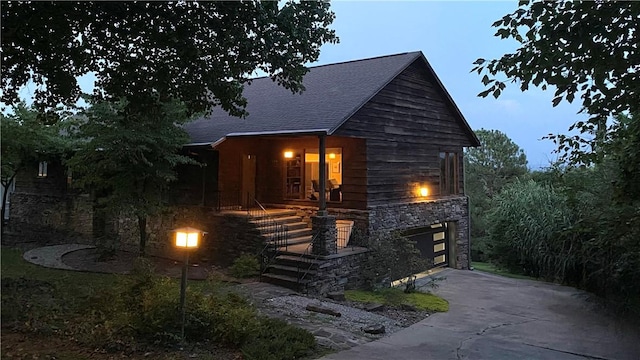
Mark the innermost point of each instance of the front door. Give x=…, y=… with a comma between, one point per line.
x=248, y=179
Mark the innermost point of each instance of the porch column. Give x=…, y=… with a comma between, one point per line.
x=322, y=204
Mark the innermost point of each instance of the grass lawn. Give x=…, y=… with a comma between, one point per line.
x=396, y=297
x=490, y=268
x=49, y=313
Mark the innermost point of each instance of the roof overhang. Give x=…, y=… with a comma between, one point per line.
x=263, y=133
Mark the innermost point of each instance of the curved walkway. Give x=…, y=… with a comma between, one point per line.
x=51, y=256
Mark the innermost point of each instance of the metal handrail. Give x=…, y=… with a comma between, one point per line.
x=306, y=254
x=343, y=237
x=279, y=233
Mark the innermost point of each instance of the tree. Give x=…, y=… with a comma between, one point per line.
x=497, y=161
x=128, y=160
x=25, y=138
x=488, y=168
x=582, y=49
x=200, y=53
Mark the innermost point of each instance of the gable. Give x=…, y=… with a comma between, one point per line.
x=412, y=108
x=333, y=93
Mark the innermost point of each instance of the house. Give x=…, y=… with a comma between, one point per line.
x=385, y=127
x=374, y=144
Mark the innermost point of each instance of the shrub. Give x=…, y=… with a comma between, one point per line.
x=245, y=266
x=277, y=340
x=528, y=231
x=391, y=257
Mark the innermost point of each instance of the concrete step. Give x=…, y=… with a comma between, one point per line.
x=290, y=226
x=295, y=241
x=298, y=261
x=284, y=281
x=293, y=233
x=274, y=214
x=281, y=220
x=292, y=271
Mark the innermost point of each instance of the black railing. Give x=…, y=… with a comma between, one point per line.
x=228, y=200
x=275, y=234
x=308, y=259
x=343, y=236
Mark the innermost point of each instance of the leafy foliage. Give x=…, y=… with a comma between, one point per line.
x=129, y=158
x=582, y=49
x=245, y=265
x=138, y=312
x=26, y=137
x=200, y=53
x=488, y=169
x=391, y=257
x=528, y=222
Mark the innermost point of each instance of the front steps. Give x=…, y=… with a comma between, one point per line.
x=293, y=271
x=298, y=231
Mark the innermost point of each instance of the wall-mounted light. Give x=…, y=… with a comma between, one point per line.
x=288, y=154
x=424, y=192
x=332, y=156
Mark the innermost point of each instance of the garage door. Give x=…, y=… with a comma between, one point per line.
x=432, y=241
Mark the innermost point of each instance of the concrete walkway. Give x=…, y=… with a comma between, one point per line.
x=51, y=256
x=493, y=317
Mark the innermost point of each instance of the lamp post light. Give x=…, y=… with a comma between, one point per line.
x=188, y=239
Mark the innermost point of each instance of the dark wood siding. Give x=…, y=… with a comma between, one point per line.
x=406, y=125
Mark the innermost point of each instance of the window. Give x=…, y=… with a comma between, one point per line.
x=448, y=173
x=333, y=171
x=42, y=169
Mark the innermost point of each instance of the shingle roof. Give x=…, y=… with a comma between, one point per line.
x=333, y=93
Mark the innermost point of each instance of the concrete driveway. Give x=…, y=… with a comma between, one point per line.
x=493, y=317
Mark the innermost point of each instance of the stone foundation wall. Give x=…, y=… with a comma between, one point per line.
x=49, y=219
x=227, y=236
x=392, y=217
x=339, y=273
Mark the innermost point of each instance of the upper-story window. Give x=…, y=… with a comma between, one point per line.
x=449, y=173
x=42, y=169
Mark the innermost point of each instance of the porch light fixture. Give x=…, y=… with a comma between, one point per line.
x=288, y=154
x=332, y=156
x=187, y=239
x=424, y=192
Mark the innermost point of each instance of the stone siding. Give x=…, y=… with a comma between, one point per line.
x=50, y=219
x=338, y=273
x=393, y=217
x=228, y=236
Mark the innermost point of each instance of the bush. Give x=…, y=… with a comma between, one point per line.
x=145, y=308
x=277, y=340
x=528, y=231
x=245, y=266
x=391, y=257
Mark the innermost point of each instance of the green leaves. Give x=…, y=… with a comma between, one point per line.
x=198, y=53
x=571, y=45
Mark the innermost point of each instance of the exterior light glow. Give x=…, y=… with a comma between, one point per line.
x=424, y=191
x=187, y=238
x=332, y=156
x=288, y=154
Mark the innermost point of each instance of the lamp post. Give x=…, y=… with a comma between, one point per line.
x=186, y=238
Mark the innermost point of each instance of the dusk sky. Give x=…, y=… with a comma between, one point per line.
x=452, y=35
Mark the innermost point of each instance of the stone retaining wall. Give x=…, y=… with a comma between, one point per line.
x=48, y=219
x=338, y=273
x=454, y=210
x=227, y=236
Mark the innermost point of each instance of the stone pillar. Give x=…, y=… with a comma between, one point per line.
x=325, y=235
